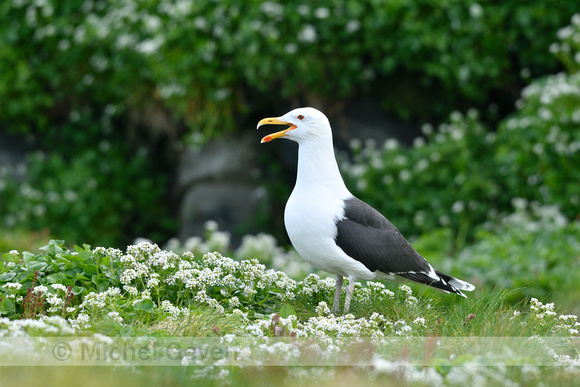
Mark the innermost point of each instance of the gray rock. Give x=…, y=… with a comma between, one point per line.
x=13, y=149
x=219, y=182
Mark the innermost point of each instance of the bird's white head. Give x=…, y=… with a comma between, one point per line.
x=305, y=124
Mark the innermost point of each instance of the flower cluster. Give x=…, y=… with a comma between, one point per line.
x=536, y=240
x=263, y=247
x=214, y=280
x=544, y=314
x=568, y=47
x=47, y=326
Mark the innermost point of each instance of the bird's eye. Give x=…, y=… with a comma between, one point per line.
x=300, y=117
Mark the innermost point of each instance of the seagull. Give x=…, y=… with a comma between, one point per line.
x=335, y=231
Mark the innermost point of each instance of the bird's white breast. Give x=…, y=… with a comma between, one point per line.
x=310, y=219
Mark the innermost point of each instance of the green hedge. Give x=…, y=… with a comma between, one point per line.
x=466, y=174
x=203, y=60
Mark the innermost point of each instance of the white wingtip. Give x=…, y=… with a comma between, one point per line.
x=461, y=285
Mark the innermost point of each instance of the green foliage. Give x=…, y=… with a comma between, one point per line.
x=569, y=46
x=539, y=146
x=200, y=59
x=387, y=328
x=466, y=174
x=101, y=191
x=80, y=76
x=447, y=182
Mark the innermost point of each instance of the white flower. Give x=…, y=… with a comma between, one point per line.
x=405, y=175
x=40, y=289
x=352, y=26
x=234, y=302
x=427, y=129
x=303, y=9
x=458, y=206
x=475, y=10
x=131, y=290
x=420, y=321
x=200, y=23
x=419, y=142
x=82, y=321
x=115, y=317
x=322, y=309
x=272, y=9
x=152, y=282
x=290, y=48
x=59, y=287
x=321, y=13
x=308, y=34
x=12, y=285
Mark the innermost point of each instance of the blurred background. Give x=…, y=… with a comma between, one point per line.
x=458, y=120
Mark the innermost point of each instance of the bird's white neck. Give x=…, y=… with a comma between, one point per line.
x=318, y=169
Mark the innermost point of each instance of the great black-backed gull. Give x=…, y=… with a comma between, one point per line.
x=336, y=232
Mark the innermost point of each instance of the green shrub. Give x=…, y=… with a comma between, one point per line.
x=539, y=147
x=201, y=60
x=72, y=73
x=101, y=191
x=447, y=182
x=466, y=174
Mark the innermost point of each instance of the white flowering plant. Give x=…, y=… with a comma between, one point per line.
x=145, y=291
x=462, y=173
x=60, y=185
x=447, y=182
x=195, y=66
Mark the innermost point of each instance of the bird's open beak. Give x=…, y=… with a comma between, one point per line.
x=275, y=121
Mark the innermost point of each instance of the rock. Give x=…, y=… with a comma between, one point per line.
x=13, y=149
x=219, y=182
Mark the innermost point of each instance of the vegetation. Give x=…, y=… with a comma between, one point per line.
x=490, y=198
x=463, y=174
x=149, y=293
x=109, y=91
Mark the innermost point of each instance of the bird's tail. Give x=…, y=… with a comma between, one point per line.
x=446, y=282
x=457, y=284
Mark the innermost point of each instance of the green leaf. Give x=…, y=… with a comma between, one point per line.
x=145, y=305
x=27, y=257
x=79, y=276
x=56, y=278
x=76, y=290
x=287, y=310
x=6, y=306
x=36, y=266
x=53, y=247
x=5, y=277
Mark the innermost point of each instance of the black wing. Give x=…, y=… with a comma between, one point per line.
x=367, y=236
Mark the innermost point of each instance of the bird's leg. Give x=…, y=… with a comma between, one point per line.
x=336, y=304
x=349, y=293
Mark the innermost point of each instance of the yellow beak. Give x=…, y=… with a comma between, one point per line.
x=275, y=121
